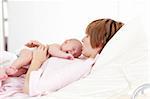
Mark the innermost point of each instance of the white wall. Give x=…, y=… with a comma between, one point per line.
x=56, y=20
x=42, y=20
x=1, y=29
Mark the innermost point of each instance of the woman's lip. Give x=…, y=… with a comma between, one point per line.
x=82, y=47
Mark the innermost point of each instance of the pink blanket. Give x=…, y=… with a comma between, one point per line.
x=12, y=88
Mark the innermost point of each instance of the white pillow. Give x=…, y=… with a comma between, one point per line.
x=128, y=44
x=128, y=49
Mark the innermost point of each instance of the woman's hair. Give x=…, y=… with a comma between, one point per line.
x=101, y=31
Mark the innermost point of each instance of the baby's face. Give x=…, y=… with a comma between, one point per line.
x=72, y=47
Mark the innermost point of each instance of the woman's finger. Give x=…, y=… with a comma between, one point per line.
x=46, y=48
x=43, y=47
x=48, y=55
x=40, y=47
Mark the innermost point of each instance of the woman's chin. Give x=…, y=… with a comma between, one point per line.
x=83, y=53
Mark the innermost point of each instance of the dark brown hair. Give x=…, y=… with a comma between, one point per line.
x=101, y=31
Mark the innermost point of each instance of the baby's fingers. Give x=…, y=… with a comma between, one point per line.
x=28, y=44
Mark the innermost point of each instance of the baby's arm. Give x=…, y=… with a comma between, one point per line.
x=55, y=50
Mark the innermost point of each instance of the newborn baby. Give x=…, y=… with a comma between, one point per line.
x=70, y=49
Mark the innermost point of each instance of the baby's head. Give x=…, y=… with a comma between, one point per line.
x=72, y=46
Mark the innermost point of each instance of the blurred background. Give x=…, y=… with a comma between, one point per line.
x=52, y=21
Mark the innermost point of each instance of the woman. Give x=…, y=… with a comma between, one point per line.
x=98, y=33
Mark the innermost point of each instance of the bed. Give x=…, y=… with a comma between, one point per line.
x=122, y=67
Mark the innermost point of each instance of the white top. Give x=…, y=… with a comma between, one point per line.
x=56, y=73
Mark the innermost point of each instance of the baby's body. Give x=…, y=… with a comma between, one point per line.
x=70, y=49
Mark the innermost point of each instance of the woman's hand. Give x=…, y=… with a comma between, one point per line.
x=40, y=54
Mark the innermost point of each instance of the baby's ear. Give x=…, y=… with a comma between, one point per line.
x=74, y=49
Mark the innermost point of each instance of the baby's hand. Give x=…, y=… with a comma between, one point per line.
x=69, y=56
x=33, y=43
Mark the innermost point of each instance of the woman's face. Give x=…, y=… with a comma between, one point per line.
x=87, y=49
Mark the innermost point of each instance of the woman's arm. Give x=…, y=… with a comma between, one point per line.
x=39, y=56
